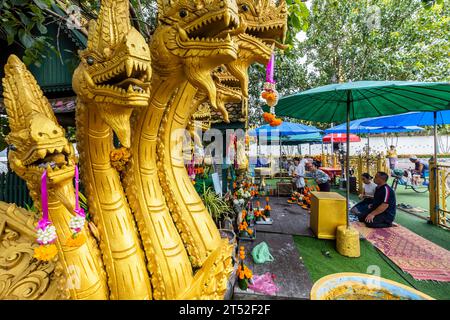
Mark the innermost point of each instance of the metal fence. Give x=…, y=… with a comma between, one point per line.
x=439, y=194
x=14, y=190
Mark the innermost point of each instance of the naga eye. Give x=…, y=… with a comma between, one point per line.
x=244, y=7
x=183, y=13
x=90, y=61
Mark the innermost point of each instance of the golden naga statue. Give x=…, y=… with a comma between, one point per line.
x=185, y=48
x=38, y=144
x=145, y=95
x=112, y=80
x=263, y=26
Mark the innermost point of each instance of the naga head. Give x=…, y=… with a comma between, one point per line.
x=115, y=69
x=193, y=38
x=36, y=140
x=228, y=90
x=264, y=25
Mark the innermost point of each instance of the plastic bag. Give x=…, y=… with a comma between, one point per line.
x=264, y=284
x=261, y=253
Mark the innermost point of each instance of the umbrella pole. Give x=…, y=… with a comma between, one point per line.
x=435, y=171
x=347, y=167
x=435, y=137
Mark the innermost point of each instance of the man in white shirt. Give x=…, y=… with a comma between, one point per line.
x=366, y=196
x=299, y=174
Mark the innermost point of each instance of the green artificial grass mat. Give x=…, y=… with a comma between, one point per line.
x=319, y=265
x=433, y=233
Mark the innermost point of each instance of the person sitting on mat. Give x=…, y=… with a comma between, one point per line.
x=366, y=196
x=381, y=212
x=322, y=179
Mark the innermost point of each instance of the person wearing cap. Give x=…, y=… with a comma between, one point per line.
x=366, y=196
x=421, y=166
x=393, y=158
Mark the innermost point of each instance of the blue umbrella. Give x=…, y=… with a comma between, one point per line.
x=297, y=138
x=415, y=118
x=285, y=129
x=360, y=126
x=409, y=119
x=357, y=127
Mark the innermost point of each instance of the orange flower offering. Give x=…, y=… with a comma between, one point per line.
x=45, y=253
x=119, y=158
x=243, y=226
x=242, y=253
x=268, y=208
x=243, y=272
x=276, y=122
x=268, y=117
x=76, y=241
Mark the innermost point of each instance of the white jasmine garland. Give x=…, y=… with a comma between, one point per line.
x=46, y=236
x=77, y=223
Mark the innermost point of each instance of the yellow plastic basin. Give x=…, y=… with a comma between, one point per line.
x=359, y=286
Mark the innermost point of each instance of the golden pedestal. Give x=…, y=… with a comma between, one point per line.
x=327, y=213
x=347, y=241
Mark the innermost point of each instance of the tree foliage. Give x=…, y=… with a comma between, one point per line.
x=377, y=40
x=351, y=40
x=23, y=23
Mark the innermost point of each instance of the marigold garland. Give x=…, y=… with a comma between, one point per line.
x=45, y=252
x=271, y=119
x=119, y=158
x=76, y=240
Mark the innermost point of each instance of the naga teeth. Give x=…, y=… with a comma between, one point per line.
x=41, y=154
x=226, y=18
x=130, y=89
x=183, y=34
x=129, y=67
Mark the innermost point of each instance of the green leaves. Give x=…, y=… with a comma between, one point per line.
x=216, y=205
x=22, y=22
x=297, y=20
x=42, y=4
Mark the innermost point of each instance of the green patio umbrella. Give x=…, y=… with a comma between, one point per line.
x=362, y=99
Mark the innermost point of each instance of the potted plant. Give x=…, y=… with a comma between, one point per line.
x=216, y=205
x=267, y=208
x=244, y=274
x=245, y=232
